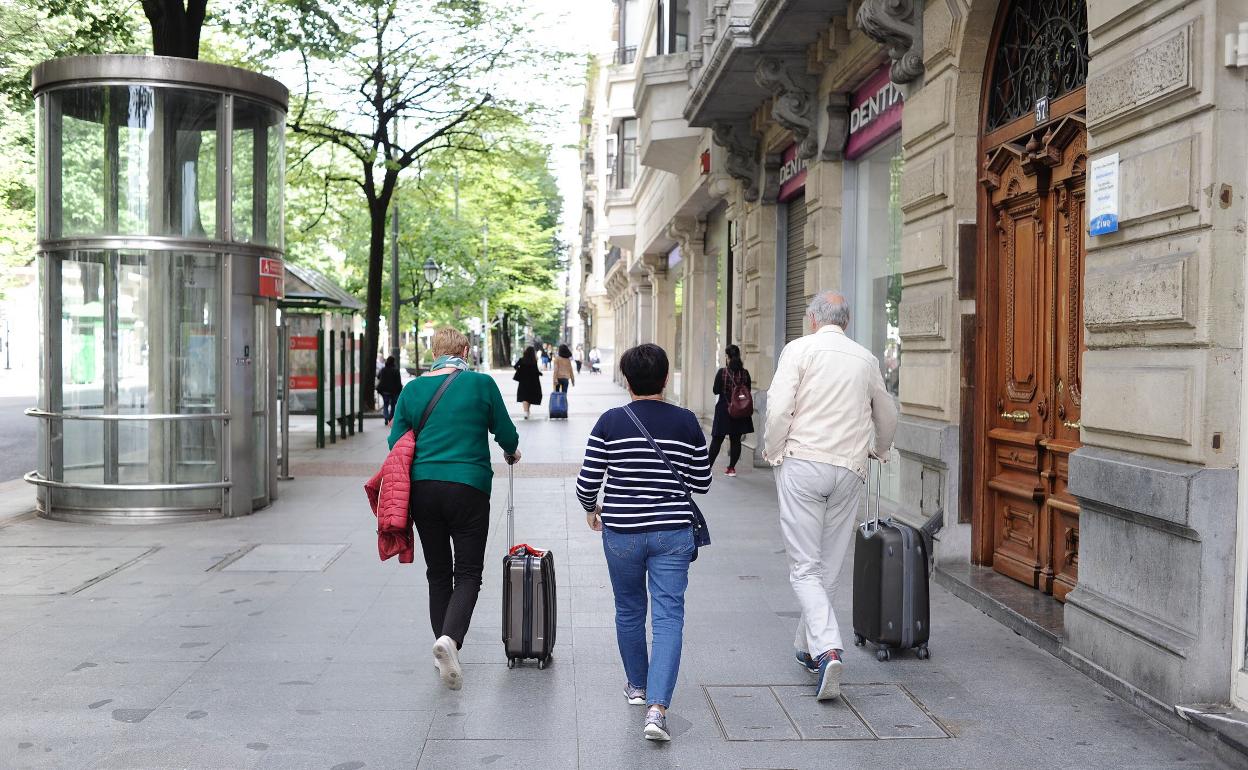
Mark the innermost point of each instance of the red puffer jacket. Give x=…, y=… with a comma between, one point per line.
x=389, y=493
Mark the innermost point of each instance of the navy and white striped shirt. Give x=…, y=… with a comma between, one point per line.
x=640, y=493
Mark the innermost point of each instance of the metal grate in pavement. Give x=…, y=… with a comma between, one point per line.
x=37, y=570
x=864, y=712
x=287, y=557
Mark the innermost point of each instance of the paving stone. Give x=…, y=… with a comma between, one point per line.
x=890, y=712
x=820, y=721
x=751, y=714
x=54, y=570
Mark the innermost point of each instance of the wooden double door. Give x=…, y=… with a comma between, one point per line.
x=1034, y=210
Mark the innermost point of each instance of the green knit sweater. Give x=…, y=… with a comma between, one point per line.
x=454, y=445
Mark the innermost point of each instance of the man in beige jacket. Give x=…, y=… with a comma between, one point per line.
x=827, y=411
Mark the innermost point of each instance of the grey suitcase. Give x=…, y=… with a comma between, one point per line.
x=891, y=607
x=529, y=602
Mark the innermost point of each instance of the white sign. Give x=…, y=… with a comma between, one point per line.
x=1103, y=198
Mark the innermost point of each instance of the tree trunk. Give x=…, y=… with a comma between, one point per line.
x=372, y=310
x=175, y=28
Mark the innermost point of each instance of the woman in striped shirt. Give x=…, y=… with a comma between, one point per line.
x=646, y=524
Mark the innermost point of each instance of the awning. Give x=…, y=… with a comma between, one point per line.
x=306, y=288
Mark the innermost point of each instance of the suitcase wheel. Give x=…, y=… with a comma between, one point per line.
x=511, y=663
x=541, y=664
x=882, y=654
x=859, y=640
x=923, y=653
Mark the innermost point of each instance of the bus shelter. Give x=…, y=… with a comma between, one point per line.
x=160, y=249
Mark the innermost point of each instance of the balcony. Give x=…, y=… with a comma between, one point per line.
x=625, y=55
x=723, y=85
x=621, y=218
x=667, y=141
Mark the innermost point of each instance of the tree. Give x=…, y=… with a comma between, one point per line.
x=399, y=81
x=176, y=26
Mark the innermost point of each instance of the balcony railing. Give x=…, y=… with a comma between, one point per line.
x=626, y=54
x=613, y=256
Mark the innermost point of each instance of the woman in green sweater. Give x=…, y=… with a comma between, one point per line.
x=451, y=476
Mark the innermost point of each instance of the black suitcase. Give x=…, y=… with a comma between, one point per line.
x=529, y=606
x=890, y=584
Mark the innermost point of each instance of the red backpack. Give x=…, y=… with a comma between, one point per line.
x=740, y=400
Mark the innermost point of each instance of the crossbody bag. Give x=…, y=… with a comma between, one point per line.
x=701, y=535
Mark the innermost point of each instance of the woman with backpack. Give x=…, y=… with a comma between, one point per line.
x=734, y=410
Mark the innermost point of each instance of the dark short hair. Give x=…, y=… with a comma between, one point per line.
x=565, y=351
x=390, y=361
x=645, y=368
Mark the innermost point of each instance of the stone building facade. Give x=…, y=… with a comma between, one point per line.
x=1070, y=402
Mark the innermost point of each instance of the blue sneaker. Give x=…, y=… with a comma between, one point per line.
x=808, y=663
x=830, y=667
x=656, y=726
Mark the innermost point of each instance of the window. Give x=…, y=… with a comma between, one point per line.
x=672, y=26
x=623, y=163
x=629, y=19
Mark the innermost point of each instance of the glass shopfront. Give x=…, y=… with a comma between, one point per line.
x=160, y=193
x=872, y=276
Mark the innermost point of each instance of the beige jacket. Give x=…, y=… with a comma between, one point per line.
x=826, y=401
x=563, y=368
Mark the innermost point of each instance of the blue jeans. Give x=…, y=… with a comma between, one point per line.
x=664, y=558
x=561, y=385
x=388, y=400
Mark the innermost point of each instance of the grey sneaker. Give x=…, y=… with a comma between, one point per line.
x=830, y=667
x=636, y=695
x=806, y=662
x=446, y=658
x=656, y=726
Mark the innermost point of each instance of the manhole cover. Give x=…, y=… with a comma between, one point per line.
x=291, y=557
x=791, y=713
x=37, y=570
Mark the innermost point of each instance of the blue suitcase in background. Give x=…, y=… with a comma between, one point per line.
x=558, y=405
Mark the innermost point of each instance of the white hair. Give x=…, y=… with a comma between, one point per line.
x=829, y=307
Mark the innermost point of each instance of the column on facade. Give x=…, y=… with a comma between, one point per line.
x=659, y=326
x=699, y=316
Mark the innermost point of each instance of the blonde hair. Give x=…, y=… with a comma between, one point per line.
x=449, y=342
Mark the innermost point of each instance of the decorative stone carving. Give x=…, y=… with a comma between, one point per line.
x=1159, y=71
x=688, y=232
x=922, y=320
x=1135, y=294
x=794, y=107
x=742, y=150
x=838, y=127
x=897, y=24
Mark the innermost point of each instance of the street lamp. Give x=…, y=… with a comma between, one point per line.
x=424, y=289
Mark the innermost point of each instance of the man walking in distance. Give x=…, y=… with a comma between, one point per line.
x=826, y=401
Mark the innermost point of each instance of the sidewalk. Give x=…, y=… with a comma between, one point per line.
x=280, y=641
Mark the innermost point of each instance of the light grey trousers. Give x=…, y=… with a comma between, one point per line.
x=818, y=504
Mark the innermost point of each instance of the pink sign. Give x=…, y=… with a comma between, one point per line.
x=874, y=113
x=792, y=174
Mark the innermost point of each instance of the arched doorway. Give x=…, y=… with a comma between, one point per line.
x=1033, y=145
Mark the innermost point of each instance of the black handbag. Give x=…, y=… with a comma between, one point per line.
x=701, y=534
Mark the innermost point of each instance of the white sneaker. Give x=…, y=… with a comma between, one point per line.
x=446, y=658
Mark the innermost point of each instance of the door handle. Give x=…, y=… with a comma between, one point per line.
x=1076, y=425
x=1018, y=415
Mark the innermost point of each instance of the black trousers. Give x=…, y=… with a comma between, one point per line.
x=446, y=513
x=734, y=448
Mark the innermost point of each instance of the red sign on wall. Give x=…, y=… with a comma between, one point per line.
x=792, y=174
x=302, y=343
x=303, y=382
x=271, y=272
x=874, y=113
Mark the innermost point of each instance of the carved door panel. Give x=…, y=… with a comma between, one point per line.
x=1036, y=195
x=1068, y=202
x=1015, y=492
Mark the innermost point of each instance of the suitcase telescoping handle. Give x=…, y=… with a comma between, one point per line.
x=511, y=507
x=873, y=491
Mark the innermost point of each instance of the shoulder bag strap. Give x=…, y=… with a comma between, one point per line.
x=437, y=396
x=699, y=521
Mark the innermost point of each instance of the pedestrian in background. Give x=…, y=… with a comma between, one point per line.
x=728, y=380
x=595, y=358
x=826, y=401
x=580, y=357
x=646, y=522
x=529, y=377
x=545, y=356
x=389, y=385
x=451, y=480
x=563, y=372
